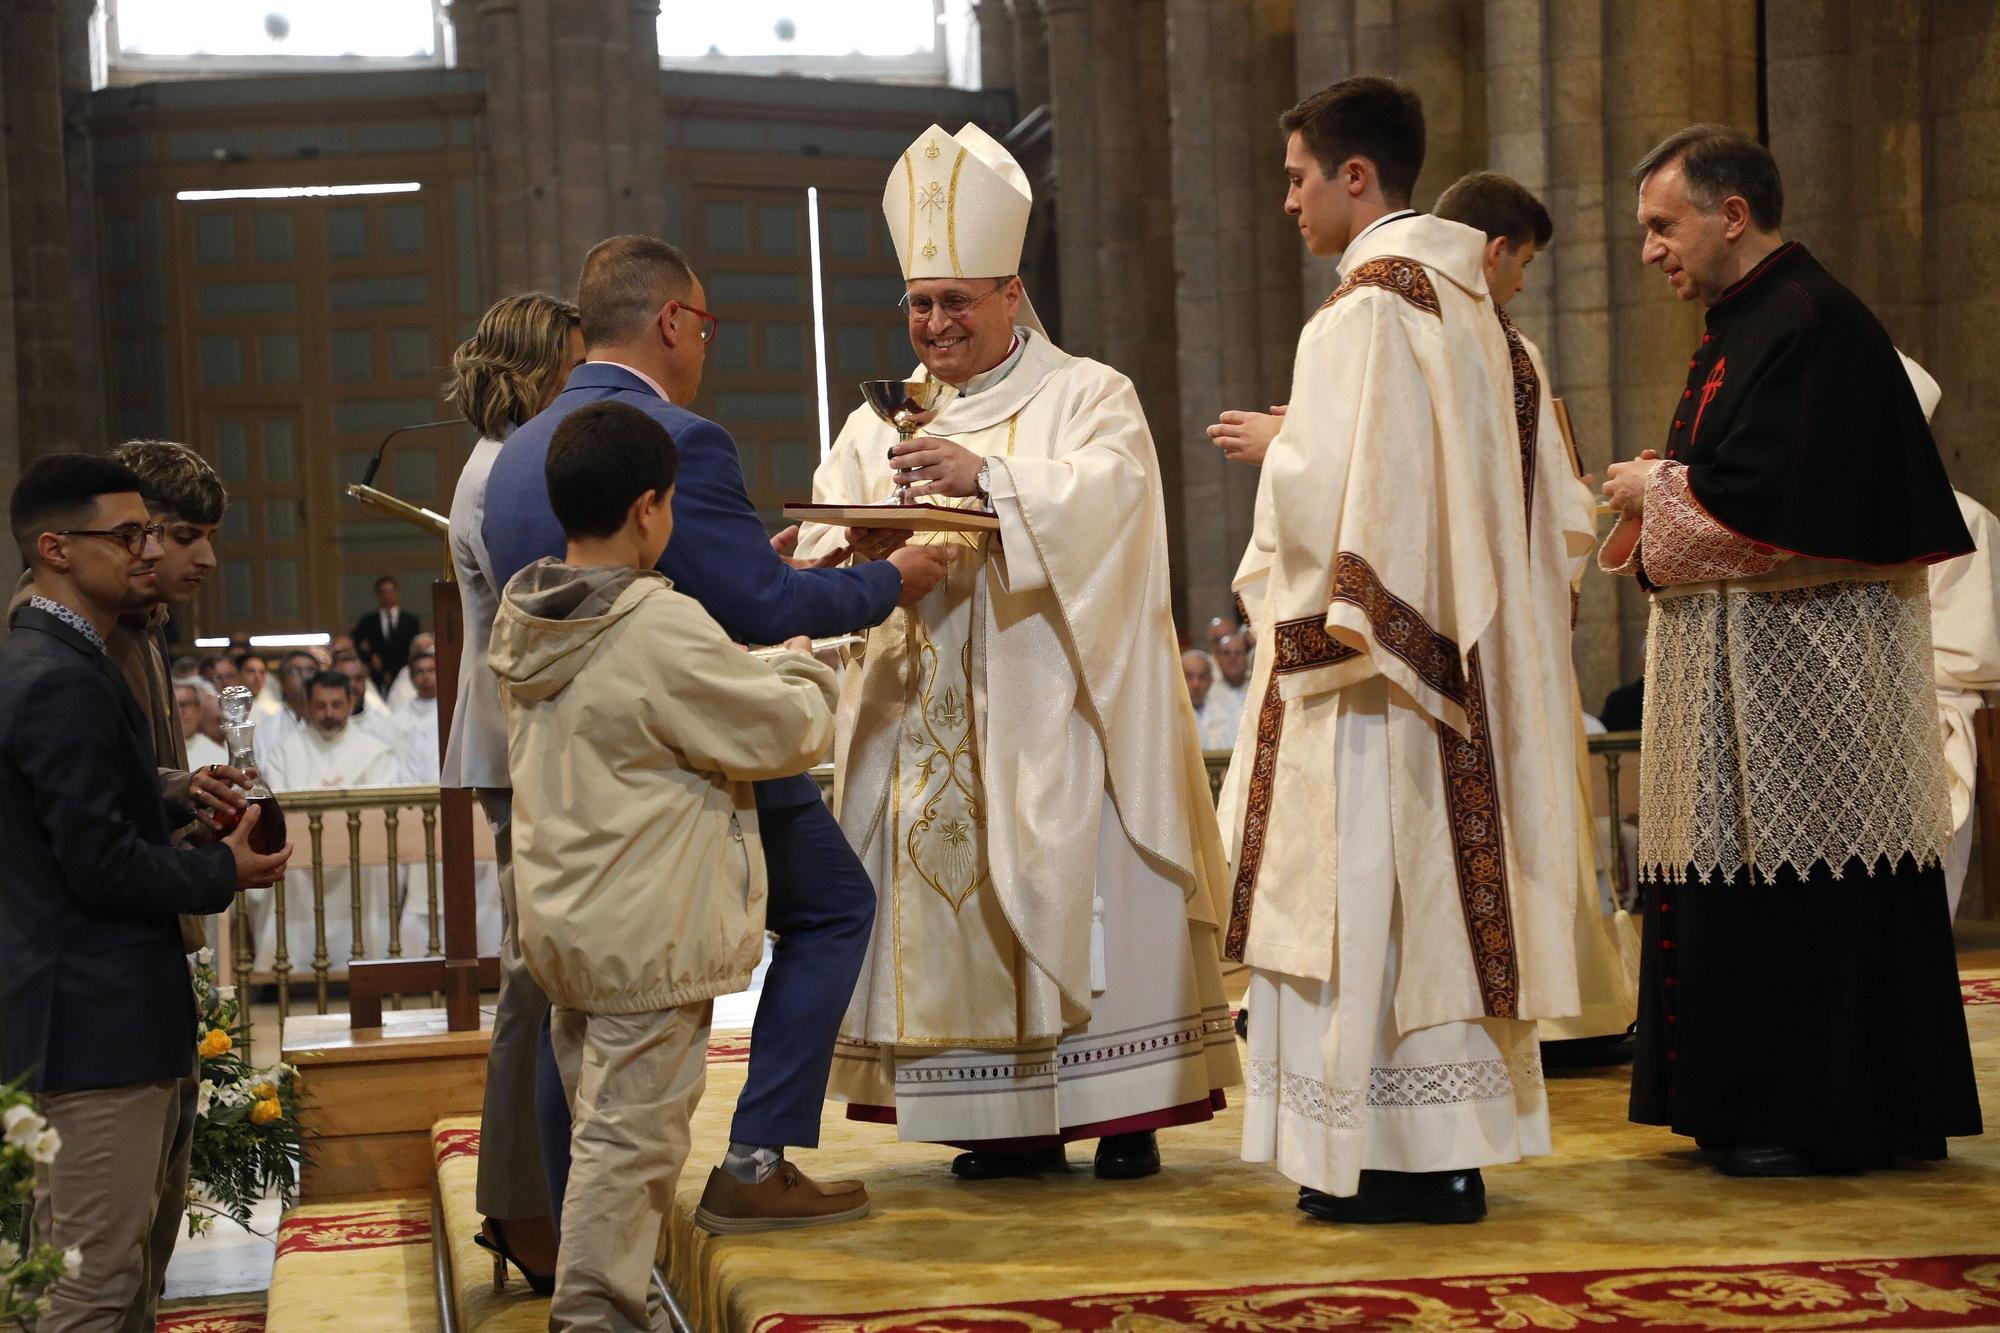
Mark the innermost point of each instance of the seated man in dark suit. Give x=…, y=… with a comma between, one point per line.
x=96, y=1005
x=644, y=336
x=382, y=637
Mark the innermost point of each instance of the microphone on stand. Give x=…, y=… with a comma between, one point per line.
x=375, y=463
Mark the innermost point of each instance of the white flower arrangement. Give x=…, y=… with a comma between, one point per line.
x=27, y=1270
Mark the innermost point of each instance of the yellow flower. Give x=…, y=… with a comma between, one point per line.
x=265, y=1111
x=215, y=1042
x=263, y=1091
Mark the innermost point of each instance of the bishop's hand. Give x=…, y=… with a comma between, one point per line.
x=932, y=465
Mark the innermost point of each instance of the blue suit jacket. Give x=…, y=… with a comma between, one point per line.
x=719, y=553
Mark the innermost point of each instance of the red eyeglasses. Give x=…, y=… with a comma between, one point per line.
x=709, y=323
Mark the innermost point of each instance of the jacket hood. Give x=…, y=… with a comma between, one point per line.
x=552, y=616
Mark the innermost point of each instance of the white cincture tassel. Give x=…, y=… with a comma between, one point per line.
x=1097, y=979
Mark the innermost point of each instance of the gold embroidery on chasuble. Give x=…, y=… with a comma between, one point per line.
x=1405, y=277
x=956, y=957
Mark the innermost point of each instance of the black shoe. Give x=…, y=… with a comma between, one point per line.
x=1403, y=1196
x=1128, y=1156
x=1769, y=1161
x=542, y=1284
x=1008, y=1165
x=1243, y=1022
x=1589, y=1052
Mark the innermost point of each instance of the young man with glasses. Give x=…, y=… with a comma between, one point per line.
x=96, y=1009
x=1022, y=773
x=645, y=343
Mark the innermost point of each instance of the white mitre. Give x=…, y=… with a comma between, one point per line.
x=1928, y=392
x=957, y=207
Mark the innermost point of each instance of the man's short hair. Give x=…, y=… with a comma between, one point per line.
x=327, y=680
x=285, y=662
x=1497, y=205
x=1365, y=116
x=603, y=457
x=1718, y=161
x=59, y=491
x=175, y=480
x=420, y=656
x=389, y=579
x=625, y=281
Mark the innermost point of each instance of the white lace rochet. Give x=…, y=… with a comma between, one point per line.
x=1784, y=728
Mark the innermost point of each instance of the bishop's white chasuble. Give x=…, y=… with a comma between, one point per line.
x=1017, y=766
x=1405, y=789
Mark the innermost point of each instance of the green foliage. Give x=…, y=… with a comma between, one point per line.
x=247, y=1140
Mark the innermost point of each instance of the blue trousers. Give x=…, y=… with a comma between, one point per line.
x=822, y=905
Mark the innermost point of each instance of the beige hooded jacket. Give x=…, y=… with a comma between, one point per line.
x=634, y=730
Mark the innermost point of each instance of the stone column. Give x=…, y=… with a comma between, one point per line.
x=1073, y=70
x=1237, y=259
x=996, y=44
x=1962, y=109
x=1031, y=55
x=52, y=225
x=575, y=133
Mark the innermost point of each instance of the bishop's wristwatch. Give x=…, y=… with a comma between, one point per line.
x=979, y=483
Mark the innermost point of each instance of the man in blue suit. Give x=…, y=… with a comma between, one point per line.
x=645, y=337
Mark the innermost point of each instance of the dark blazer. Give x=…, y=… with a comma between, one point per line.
x=94, y=989
x=392, y=648
x=719, y=553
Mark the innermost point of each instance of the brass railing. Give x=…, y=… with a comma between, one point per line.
x=306, y=815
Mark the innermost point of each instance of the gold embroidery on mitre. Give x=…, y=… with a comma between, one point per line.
x=951, y=216
x=930, y=199
x=931, y=150
x=910, y=186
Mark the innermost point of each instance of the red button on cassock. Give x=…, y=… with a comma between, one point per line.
x=1686, y=394
x=1677, y=423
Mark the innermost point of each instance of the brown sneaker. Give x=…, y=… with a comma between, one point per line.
x=784, y=1200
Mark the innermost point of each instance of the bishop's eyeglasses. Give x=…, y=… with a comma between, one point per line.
x=956, y=305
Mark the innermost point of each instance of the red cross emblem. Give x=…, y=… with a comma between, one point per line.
x=1709, y=388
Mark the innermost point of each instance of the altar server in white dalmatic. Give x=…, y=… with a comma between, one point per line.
x=1965, y=652
x=1404, y=886
x=1564, y=508
x=1017, y=758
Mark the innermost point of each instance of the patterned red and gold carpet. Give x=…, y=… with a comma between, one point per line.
x=1625, y=1228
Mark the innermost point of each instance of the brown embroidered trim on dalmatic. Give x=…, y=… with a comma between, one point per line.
x=1256, y=819
x=1472, y=813
x=1305, y=644
x=1527, y=410
x=1405, y=277
x=1400, y=627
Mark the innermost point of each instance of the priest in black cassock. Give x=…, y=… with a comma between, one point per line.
x=1799, y=1002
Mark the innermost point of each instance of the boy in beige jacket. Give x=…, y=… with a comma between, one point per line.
x=634, y=730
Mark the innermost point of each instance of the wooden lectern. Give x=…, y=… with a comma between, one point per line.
x=461, y=973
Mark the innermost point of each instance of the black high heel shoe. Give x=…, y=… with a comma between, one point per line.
x=542, y=1284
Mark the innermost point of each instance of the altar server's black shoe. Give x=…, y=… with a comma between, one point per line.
x=1769, y=1161
x=1128, y=1156
x=1403, y=1196
x=1589, y=1052
x=1008, y=1165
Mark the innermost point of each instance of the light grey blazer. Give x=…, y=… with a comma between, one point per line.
x=477, y=753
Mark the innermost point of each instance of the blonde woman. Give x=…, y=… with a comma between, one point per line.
x=512, y=367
